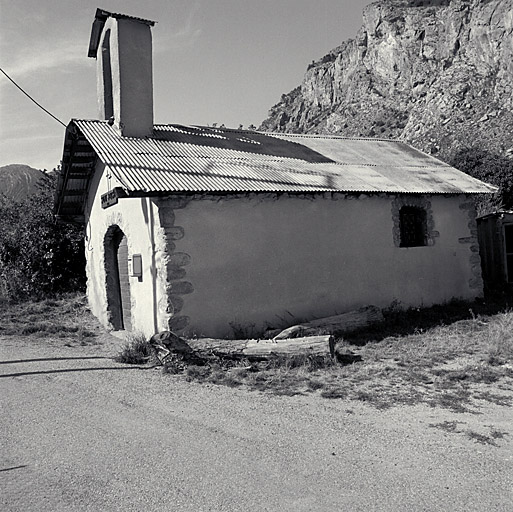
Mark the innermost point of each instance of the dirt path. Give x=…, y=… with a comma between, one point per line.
x=80, y=432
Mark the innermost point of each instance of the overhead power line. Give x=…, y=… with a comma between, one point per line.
x=31, y=98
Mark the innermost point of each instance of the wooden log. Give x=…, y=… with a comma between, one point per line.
x=342, y=323
x=263, y=349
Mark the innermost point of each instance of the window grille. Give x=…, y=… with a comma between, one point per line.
x=413, y=226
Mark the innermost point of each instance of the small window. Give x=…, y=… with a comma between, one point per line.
x=413, y=226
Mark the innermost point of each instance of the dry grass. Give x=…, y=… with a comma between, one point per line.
x=137, y=350
x=490, y=437
x=451, y=366
x=65, y=319
x=430, y=356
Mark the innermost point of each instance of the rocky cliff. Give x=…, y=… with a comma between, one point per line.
x=18, y=181
x=436, y=73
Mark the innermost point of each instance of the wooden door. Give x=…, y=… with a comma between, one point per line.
x=124, y=284
x=508, y=243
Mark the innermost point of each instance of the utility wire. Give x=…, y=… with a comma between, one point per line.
x=31, y=98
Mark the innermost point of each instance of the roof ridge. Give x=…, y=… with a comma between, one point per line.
x=260, y=132
x=282, y=134
x=330, y=136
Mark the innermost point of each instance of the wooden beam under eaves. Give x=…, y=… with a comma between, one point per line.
x=74, y=219
x=80, y=165
x=74, y=193
x=77, y=159
x=79, y=175
x=84, y=154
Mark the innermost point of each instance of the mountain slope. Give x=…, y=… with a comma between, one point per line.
x=435, y=73
x=18, y=181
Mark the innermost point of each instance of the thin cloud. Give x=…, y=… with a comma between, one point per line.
x=186, y=36
x=36, y=136
x=37, y=59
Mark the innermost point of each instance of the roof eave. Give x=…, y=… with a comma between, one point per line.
x=96, y=31
x=119, y=152
x=100, y=18
x=78, y=165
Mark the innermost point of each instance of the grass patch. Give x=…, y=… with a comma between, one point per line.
x=137, y=350
x=452, y=427
x=447, y=426
x=48, y=327
x=497, y=434
x=451, y=365
x=495, y=398
x=480, y=438
x=453, y=356
x=65, y=318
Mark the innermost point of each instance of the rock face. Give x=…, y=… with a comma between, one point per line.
x=18, y=181
x=435, y=73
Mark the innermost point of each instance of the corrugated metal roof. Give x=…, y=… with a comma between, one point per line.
x=368, y=151
x=203, y=159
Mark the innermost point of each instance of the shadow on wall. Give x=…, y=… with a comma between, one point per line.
x=149, y=219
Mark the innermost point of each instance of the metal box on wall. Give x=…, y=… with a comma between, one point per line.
x=137, y=265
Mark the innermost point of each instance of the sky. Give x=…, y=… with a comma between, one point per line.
x=214, y=61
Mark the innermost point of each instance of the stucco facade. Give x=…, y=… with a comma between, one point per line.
x=138, y=219
x=215, y=264
x=272, y=260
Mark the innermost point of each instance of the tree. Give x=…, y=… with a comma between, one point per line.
x=38, y=257
x=491, y=168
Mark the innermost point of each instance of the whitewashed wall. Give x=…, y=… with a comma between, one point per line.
x=269, y=260
x=138, y=219
x=272, y=260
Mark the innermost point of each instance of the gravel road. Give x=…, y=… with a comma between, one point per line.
x=83, y=433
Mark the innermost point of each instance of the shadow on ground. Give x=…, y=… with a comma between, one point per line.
x=399, y=322
x=15, y=361
x=70, y=370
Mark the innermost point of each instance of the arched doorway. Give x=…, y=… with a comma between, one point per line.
x=117, y=279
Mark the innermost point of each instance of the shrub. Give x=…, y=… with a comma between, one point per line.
x=490, y=168
x=38, y=257
x=136, y=351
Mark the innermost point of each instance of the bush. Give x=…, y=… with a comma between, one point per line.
x=490, y=168
x=136, y=351
x=38, y=257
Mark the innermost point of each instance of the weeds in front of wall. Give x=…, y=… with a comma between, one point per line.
x=436, y=356
x=243, y=331
x=449, y=366
x=403, y=322
x=136, y=350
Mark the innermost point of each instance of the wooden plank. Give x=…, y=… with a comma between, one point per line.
x=80, y=165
